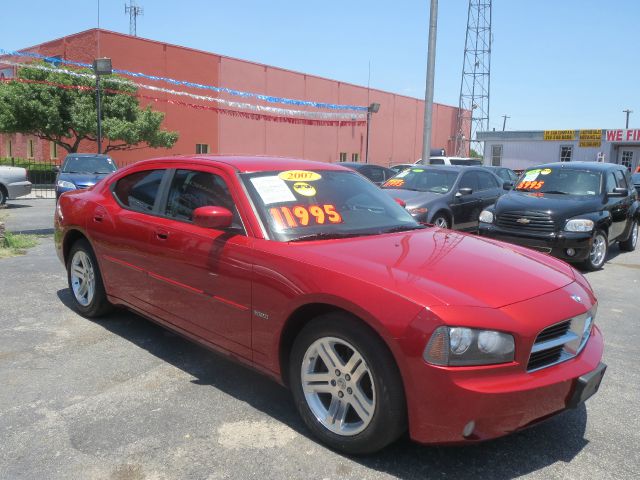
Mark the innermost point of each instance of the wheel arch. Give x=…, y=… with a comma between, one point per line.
x=71, y=237
x=445, y=213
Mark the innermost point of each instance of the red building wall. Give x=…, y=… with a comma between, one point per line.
x=396, y=130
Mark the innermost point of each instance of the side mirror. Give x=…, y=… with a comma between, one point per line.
x=464, y=191
x=618, y=192
x=212, y=217
x=507, y=185
x=55, y=169
x=400, y=202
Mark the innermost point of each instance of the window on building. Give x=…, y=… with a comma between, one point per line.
x=627, y=159
x=355, y=157
x=202, y=148
x=53, y=150
x=30, y=148
x=565, y=153
x=343, y=156
x=496, y=155
x=8, y=148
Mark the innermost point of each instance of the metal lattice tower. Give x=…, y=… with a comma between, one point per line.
x=134, y=11
x=473, y=113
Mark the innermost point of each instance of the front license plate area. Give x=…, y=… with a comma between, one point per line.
x=586, y=386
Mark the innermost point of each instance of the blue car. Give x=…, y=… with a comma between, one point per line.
x=83, y=170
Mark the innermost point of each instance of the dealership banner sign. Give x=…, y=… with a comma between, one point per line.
x=556, y=135
x=623, y=135
x=590, y=138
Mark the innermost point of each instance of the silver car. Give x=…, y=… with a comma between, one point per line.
x=13, y=183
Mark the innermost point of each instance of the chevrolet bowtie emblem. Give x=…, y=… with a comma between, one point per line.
x=524, y=221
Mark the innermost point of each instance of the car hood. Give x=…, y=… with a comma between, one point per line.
x=440, y=267
x=558, y=206
x=82, y=179
x=412, y=198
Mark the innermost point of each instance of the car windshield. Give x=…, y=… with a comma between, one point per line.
x=423, y=180
x=297, y=205
x=88, y=165
x=566, y=181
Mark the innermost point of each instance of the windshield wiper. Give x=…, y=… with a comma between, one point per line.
x=556, y=191
x=403, y=228
x=328, y=236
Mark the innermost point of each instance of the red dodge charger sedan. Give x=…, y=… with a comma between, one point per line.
x=311, y=274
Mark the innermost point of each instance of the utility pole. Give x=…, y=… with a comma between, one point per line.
x=504, y=123
x=428, y=94
x=627, y=111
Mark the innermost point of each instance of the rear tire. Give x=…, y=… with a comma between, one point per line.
x=598, y=253
x=3, y=195
x=85, y=281
x=346, y=385
x=441, y=220
x=629, y=245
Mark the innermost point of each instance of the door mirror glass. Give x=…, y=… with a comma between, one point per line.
x=507, y=185
x=618, y=192
x=212, y=217
x=464, y=191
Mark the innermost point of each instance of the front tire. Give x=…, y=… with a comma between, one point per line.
x=598, y=253
x=441, y=221
x=85, y=281
x=3, y=196
x=629, y=245
x=346, y=385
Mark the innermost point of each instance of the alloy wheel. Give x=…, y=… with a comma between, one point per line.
x=338, y=386
x=83, y=280
x=598, y=250
x=441, y=222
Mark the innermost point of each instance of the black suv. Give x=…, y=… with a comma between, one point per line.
x=573, y=211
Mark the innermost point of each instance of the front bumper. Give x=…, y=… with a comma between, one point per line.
x=18, y=189
x=501, y=404
x=555, y=244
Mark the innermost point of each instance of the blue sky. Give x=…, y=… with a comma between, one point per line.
x=555, y=64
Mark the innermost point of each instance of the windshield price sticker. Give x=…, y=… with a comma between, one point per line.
x=394, y=182
x=304, y=215
x=546, y=171
x=527, y=185
x=304, y=189
x=272, y=190
x=531, y=175
x=299, y=176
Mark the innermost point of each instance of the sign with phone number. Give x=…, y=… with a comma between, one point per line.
x=304, y=215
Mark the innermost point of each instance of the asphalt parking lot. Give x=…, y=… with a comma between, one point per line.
x=121, y=398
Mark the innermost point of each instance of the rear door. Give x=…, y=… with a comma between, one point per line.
x=201, y=278
x=617, y=206
x=121, y=229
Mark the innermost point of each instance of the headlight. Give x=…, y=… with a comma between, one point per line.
x=65, y=184
x=579, y=225
x=417, y=211
x=486, y=216
x=459, y=346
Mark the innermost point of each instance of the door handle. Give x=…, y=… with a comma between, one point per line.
x=162, y=235
x=98, y=218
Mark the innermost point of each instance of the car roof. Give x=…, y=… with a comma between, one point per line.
x=92, y=155
x=358, y=164
x=247, y=163
x=595, y=166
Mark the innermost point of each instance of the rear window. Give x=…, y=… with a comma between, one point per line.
x=139, y=190
x=465, y=161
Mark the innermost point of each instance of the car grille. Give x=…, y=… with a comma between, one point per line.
x=561, y=342
x=529, y=221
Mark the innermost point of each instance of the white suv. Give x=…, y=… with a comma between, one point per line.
x=451, y=161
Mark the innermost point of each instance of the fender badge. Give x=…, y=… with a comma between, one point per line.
x=576, y=298
x=257, y=313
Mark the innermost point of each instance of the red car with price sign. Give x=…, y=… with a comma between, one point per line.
x=309, y=273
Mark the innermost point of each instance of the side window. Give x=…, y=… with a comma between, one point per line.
x=486, y=181
x=139, y=190
x=621, y=181
x=469, y=180
x=611, y=182
x=374, y=174
x=191, y=189
x=436, y=161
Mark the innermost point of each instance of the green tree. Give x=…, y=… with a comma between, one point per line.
x=474, y=154
x=67, y=116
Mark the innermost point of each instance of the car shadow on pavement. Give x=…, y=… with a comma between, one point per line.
x=559, y=439
x=12, y=206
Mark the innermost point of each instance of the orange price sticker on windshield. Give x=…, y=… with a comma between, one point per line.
x=527, y=185
x=304, y=215
x=394, y=182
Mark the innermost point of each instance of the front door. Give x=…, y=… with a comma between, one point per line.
x=466, y=208
x=200, y=277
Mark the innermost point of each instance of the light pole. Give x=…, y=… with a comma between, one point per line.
x=627, y=111
x=428, y=94
x=504, y=123
x=101, y=66
x=373, y=108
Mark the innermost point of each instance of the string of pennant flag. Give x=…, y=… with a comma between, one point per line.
x=184, y=83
